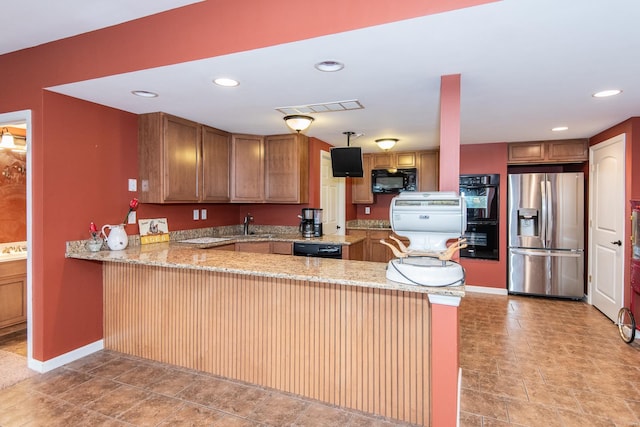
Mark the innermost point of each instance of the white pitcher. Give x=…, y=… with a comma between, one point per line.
x=117, y=238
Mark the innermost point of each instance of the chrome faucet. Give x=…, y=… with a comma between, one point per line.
x=247, y=219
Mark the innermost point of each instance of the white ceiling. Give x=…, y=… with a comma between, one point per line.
x=526, y=66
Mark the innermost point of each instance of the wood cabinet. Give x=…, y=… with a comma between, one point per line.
x=271, y=169
x=247, y=168
x=286, y=168
x=179, y=160
x=216, y=156
x=428, y=170
x=281, y=248
x=426, y=162
x=373, y=250
x=361, y=187
x=560, y=151
x=392, y=159
x=13, y=292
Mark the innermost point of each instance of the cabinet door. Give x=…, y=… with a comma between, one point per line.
x=383, y=160
x=569, y=150
x=361, y=187
x=526, y=152
x=377, y=251
x=406, y=160
x=13, y=300
x=216, y=153
x=181, y=142
x=256, y=247
x=282, y=248
x=428, y=170
x=365, y=243
x=247, y=168
x=286, y=168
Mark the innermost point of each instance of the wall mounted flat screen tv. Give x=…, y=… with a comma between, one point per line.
x=346, y=161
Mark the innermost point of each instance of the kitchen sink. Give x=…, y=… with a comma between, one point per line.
x=205, y=240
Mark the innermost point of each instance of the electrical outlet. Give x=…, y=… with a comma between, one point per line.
x=196, y=214
x=133, y=184
x=367, y=210
x=131, y=219
x=203, y=214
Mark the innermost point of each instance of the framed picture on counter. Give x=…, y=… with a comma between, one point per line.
x=153, y=230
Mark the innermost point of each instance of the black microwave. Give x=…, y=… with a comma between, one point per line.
x=393, y=181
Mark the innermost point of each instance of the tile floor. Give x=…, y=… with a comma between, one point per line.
x=541, y=362
x=526, y=362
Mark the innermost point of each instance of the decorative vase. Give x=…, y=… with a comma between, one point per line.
x=117, y=238
x=94, y=244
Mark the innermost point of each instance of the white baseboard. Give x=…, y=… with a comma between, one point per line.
x=63, y=359
x=485, y=290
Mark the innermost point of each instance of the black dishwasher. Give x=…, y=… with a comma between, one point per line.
x=320, y=250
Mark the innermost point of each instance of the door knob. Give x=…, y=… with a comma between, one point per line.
x=617, y=242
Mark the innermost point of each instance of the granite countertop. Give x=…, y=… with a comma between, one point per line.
x=222, y=240
x=325, y=270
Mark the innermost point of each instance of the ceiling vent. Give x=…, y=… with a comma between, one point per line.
x=325, y=107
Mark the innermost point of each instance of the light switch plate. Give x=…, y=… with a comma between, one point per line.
x=133, y=184
x=196, y=214
x=203, y=214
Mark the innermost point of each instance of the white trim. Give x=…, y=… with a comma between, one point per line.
x=445, y=300
x=63, y=359
x=486, y=290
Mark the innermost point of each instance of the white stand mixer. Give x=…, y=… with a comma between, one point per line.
x=429, y=220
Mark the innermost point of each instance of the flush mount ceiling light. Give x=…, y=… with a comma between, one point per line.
x=606, y=93
x=226, y=82
x=329, y=66
x=386, y=143
x=298, y=122
x=559, y=128
x=144, y=93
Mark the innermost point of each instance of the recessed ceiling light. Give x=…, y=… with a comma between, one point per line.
x=605, y=93
x=226, y=82
x=144, y=93
x=329, y=66
x=559, y=128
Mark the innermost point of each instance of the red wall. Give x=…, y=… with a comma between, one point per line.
x=83, y=154
x=485, y=159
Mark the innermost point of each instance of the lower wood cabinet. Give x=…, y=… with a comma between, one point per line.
x=13, y=292
x=373, y=249
x=282, y=248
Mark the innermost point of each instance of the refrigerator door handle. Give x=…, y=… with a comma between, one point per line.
x=548, y=219
x=543, y=216
x=529, y=252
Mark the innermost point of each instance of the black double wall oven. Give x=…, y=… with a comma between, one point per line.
x=481, y=193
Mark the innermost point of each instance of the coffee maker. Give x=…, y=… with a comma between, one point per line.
x=306, y=222
x=311, y=222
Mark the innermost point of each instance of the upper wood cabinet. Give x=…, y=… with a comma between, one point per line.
x=427, y=163
x=560, y=151
x=179, y=160
x=286, y=168
x=216, y=155
x=428, y=170
x=361, y=187
x=247, y=168
x=392, y=159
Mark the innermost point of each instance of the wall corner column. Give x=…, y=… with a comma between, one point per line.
x=449, y=132
x=445, y=360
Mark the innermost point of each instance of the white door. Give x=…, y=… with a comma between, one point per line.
x=606, y=225
x=331, y=198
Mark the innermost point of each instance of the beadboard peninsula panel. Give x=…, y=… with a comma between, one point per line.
x=360, y=348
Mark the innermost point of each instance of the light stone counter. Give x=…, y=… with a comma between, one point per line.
x=317, y=270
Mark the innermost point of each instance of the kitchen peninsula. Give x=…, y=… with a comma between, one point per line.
x=333, y=330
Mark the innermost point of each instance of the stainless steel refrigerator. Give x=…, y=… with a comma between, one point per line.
x=546, y=234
